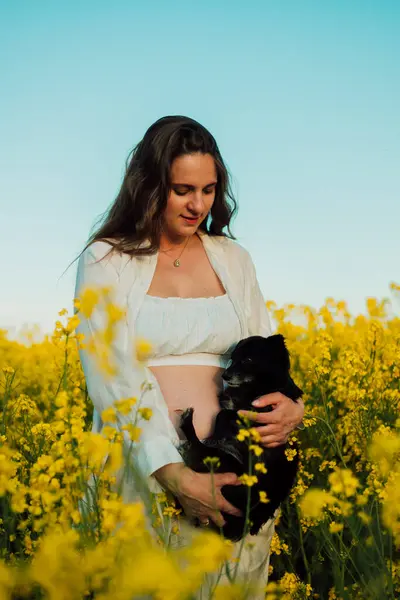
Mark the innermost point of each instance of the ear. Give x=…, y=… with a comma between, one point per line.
x=239, y=344
x=278, y=351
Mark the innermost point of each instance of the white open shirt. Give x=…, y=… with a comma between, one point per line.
x=131, y=278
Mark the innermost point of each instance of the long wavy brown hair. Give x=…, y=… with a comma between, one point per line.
x=136, y=215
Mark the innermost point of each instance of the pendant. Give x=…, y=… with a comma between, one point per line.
x=177, y=263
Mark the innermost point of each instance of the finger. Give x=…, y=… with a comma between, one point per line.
x=217, y=518
x=221, y=479
x=272, y=417
x=268, y=399
x=267, y=430
x=269, y=418
x=271, y=438
x=252, y=415
x=264, y=419
x=227, y=507
x=273, y=445
x=271, y=441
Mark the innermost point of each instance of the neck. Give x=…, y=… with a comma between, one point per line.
x=170, y=242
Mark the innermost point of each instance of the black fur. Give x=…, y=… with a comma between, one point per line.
x=259, y=366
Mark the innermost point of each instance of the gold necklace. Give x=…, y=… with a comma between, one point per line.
x=176, y=262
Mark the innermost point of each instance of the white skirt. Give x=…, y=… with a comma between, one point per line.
x=254, y=558
x=253, y=565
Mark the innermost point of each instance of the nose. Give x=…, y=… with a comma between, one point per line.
x=197, y=205
x=227, y=374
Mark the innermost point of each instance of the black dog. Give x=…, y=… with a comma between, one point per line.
x=259, y=366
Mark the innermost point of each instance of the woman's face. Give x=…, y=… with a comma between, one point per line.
x=193, y=185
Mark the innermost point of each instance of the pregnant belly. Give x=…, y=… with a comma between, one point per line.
x=195, y=386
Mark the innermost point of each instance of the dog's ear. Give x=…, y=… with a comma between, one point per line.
x=236, y=351
x=248, y=340
x=240, y=343
x=278, y=352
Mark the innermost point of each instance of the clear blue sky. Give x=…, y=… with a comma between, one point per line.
x=302, y=96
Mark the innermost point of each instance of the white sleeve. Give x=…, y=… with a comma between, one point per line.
x=259, y=322
x=155, y=447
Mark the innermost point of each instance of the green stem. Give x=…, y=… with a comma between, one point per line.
x=334, y=439
x=227, y=572
x=246, y=520
x=347, y=556
x=303, y=552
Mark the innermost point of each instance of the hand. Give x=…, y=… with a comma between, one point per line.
x=195, y=492
x=280, y=422
x=196, y=496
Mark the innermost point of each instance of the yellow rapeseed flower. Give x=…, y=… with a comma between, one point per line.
x=114, y=459
x=343, y=482
x=145, y=413
x=256, y=449
x=72, y=324
x=114, y=313
x=133, y=431
x=242, y=435
x=88, y=300
x=290, y=453
x=108, y=415
x=385, y=450
x=207, y=552
x=256, y=437
x=142, y=348
x=212, y=461
x=7, y=370
x=314, y=501
x=260, y=467
x=366, y=519
x=335, y=527
x=124, y=406
x=394, y=287
x=248, y=480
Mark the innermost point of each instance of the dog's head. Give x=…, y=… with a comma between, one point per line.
x=261, y=365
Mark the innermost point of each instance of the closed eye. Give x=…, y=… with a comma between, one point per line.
x=184, y=192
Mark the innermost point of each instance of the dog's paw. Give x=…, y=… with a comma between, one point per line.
x=186, y=421
x=187, y=414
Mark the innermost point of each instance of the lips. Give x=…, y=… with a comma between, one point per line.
x=190, y=219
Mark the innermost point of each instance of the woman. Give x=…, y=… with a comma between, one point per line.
x=189, y=289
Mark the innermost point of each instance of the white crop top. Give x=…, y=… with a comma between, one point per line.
x=188, y=331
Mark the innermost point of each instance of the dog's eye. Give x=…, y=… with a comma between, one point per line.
x=246, y=361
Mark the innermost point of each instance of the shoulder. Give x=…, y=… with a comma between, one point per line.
x=230, y=247
x=240, y=250
x=239, y=261
x=97, y=250
x=236, y=259
x=103, y=253
x=235, y=250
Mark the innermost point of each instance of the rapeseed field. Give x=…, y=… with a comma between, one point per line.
x=66, y=532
